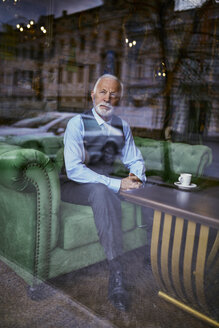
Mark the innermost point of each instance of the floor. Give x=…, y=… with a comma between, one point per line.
x=79, y=300
x=57, y=310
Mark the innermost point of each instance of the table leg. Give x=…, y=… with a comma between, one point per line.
x=185, y=283
x=200, y=265
x=188, y=309
x=214, y=251
x=165, y=246
x=175, y=263
x=187, y=263
x=154, y=247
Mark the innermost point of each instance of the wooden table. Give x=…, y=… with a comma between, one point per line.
x=184, y=244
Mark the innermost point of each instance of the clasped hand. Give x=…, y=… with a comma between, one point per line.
x=131, y=182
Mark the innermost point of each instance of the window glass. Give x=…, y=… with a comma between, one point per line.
x=166, y=55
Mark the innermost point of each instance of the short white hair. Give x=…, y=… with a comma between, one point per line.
x=109, y=76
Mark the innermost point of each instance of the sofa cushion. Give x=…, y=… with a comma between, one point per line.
x=153, y=156
x=77, y=227
x=152, y=152
x=51, y=145
x=59, y=161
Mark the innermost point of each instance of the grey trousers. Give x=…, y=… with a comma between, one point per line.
x=106, y=207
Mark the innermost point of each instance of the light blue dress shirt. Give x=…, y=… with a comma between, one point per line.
x=74, y=154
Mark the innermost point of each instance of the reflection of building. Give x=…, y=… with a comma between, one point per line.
x=168, y=65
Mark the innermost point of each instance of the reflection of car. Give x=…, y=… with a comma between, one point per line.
x=52, y=123
x=101, y=144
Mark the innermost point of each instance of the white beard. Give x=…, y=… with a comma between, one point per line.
x=106, y=113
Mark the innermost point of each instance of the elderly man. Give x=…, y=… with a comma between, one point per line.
x=92, y=141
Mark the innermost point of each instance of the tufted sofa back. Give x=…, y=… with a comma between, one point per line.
x=167, y=159
x=49, y=145
x=161, y=157
x=189, y=158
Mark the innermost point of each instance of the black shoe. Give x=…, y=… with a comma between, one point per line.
x=118, y=296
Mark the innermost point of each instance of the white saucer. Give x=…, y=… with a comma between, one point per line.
x=191, y=186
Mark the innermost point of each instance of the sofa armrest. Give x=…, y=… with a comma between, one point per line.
x=24, y=171
x=49, y=145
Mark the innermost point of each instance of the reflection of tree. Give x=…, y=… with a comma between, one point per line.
x=195, y=89
x=180, y=46
x=182, y=54
x=38, y=85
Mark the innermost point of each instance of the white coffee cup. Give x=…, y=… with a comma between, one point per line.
x=185, y=179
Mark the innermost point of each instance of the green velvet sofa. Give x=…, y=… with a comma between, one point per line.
x=48, y=145
x=163, y=159
x=167, y=160
x=41, y=236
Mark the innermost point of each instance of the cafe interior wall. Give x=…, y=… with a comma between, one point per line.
x=167, y=59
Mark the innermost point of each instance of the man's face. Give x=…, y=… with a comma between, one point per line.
x=106, y=97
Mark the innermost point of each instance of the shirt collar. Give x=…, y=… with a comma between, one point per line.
x=99, y=119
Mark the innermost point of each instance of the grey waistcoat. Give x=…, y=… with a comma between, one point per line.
x=102, y=147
